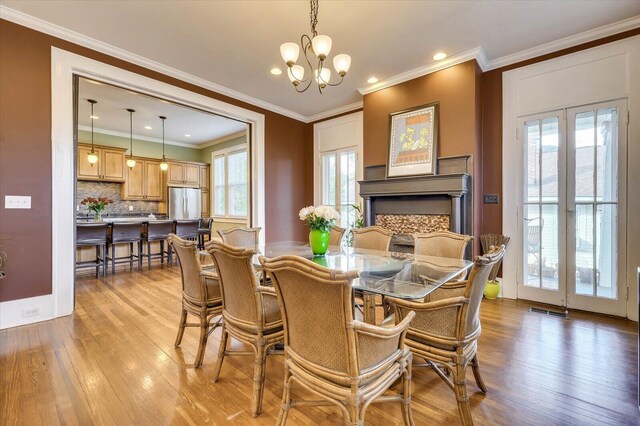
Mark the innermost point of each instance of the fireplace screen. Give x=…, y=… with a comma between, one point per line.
x=413, y=223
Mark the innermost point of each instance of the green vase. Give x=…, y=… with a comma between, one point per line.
x=491, y=290
x=319, y=241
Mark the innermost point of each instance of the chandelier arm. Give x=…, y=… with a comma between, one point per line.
x=336, y=84
x=306, y=46
x=293, y=75
x=305, y=89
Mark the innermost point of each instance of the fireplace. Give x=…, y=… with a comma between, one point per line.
x=417, y=204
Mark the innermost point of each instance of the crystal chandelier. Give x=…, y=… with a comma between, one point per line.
x=319, y=47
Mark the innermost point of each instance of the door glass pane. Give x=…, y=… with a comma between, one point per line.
x=549, y=160
x=549, y=246
x=532, y=238
x=585, y=132
x=584, y=249
x=532, y=160
x=329, y=179
x=237, y=175
x=219, y=186
x=607, y=154
x=347, y=188
x=606, y=251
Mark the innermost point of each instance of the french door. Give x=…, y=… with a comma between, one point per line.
x=573, y=208
x=338, y=177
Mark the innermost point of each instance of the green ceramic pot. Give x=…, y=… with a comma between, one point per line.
x=319, y=241
x=491, y=290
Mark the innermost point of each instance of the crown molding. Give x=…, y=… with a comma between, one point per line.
x=424, y=70
x=40, y=25
x=137, y=137
x=224, y=139
x=563, y=43
x=335, y=111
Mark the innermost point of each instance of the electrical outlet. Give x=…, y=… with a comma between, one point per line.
x=26, y=313
x=491, y=199
x=17, y=202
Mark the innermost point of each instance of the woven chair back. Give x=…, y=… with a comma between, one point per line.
x=475, y=286
x=335, y=236
x=238, y=282
x=316, y=306
x=241, y=237
x=190, y=268
x=372, y=238
x=442, y=244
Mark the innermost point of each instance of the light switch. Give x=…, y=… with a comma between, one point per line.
x=17, y=201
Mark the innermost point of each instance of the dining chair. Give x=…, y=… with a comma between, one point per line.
x=442, y=244
x=241, y=237
x=445, y=329
x=200, y=294
x=372, y=238
x=205, y=225
x=335, y=236
x=345, y=362
x=250, y=312
x=157, y=230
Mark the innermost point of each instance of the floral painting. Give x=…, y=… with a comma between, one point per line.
x=413, y=141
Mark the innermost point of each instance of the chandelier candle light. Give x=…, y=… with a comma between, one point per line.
x=319, y=47
x=163, y=164
x=92, y=157
x=131, y=163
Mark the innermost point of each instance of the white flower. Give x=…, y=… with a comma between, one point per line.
x=320, y=211
x=304, y=212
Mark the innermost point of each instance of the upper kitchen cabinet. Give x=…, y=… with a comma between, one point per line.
x=109, y=168
x=205, y=177
x=144, y=182
x=184, y=175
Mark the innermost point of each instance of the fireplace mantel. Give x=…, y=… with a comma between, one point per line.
x=445, y=194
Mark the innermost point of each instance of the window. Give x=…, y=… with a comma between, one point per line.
x=231, y=183
x=339, y=183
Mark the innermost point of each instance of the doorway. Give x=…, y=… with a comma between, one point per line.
x=573, y=207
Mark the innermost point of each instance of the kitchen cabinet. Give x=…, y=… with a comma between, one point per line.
x=184, y=175
x=109, y=168
x=144, y=182
x=205, y=178
x=206, y=202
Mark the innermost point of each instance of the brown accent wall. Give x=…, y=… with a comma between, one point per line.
x=25, y=157
x=492, y=126
x=457, y=89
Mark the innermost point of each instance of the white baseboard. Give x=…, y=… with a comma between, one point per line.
x=14, y=312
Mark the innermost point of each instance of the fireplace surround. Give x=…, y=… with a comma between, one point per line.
x=411, y=204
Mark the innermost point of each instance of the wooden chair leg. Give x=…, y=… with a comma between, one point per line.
x=475, y=366
x=161, y=252
x=258, y=380
x=149, y=254
x=113, y=258
x=224, y=338
x=407, y=415
x=130, y=256
x=460, y=389
x=104, y=260
x=286, y=397
x=204, y=336
x=97, y=261
x=181, y=327
x=139, y=255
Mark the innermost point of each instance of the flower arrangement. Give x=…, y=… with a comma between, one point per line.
x=321, y=218
x=97, y=205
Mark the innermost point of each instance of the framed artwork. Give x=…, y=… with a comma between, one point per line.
x=413, y=141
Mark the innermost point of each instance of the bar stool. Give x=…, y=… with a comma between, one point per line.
x=158, y=230
x=187, y=229
x=93, y=234
x=125, y=233
x=204, y=229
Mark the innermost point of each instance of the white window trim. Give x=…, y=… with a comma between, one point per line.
x=226, y=152
x=64, y=65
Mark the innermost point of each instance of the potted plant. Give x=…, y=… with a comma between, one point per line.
x=359, y=223
x=320, y=220
x=97, y=206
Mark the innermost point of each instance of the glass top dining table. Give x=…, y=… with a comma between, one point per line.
x=401, y=275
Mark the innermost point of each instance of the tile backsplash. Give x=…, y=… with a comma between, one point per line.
x=112, y=190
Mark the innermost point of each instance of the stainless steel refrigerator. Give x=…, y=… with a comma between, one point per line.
x=184, y=203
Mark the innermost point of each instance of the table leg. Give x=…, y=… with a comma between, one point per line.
x=369, y=308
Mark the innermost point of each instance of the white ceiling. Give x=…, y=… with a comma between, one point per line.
x=113, y=116
x=235, y=43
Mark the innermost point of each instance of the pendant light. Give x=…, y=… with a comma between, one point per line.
x=131, y=163
x=163, y=164
x=92, y=157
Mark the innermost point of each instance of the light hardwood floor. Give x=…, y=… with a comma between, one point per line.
x=113, y=362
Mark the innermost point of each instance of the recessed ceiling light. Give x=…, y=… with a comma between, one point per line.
x=187, y=135
x=276, y=71
x=148, y=127
x=94, y=117
x=372, y=80
x=439, y=56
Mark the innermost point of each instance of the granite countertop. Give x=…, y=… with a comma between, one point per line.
x=122, y=217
